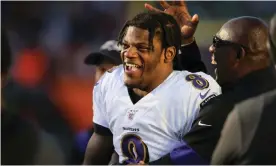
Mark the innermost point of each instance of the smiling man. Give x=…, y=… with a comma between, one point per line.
x=143, y=107
x=248, y=136
x=243, y=65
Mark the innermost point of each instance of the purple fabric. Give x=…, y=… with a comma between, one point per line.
x=185, y=155
x=134, y=148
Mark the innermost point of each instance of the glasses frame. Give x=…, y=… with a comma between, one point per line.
x=218, y=42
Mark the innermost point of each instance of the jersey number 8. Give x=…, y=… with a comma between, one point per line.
x=197, y=81
x=134, y=149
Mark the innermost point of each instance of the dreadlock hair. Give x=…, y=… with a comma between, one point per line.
x=157, y=23
x=6, y=57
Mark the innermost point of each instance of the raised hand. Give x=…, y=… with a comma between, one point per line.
x=180, y=12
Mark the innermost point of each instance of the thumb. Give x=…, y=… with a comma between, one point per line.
x=195, y=19
x=141, y=163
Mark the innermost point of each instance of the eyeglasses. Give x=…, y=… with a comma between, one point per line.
x=217, y=42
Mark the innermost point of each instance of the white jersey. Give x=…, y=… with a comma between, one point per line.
x=155, y=125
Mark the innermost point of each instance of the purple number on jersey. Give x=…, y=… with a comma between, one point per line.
x=134, y=149
x=197, y=81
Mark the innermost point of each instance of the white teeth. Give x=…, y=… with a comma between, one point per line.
x=131, y=65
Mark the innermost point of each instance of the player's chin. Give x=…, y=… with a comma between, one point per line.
x=132, y=82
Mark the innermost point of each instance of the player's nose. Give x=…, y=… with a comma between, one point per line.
x=131, y=53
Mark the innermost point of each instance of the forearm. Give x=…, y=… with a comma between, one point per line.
x=99, y=156
x=99, y=148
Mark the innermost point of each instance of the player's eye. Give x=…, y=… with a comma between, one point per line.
x=125, y=46
x=144, y=49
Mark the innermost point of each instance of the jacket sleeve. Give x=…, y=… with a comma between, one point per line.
x=190, y=58
x=230, y=141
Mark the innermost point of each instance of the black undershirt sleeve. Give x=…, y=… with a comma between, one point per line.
x=101, y=130
x=190, y=58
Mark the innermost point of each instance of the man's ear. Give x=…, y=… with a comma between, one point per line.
x=240, y=58
x=240, y=53
x=170, y=53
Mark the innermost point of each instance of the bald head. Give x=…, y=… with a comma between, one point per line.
x=240, y=48
x=248, y=31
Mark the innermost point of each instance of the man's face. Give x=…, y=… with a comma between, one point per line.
x=141, y=63
x=102, y=68
x=224, y=57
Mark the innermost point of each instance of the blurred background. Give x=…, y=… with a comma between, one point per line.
x=49, y=41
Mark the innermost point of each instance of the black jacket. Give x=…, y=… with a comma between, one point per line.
x=249, y=134
x=24, y=144
x=190, y=58
x=206, y=129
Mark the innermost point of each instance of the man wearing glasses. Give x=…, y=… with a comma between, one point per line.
x=244, y=70
x=248, y=135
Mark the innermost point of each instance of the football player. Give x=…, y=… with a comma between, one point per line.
x=143, y=107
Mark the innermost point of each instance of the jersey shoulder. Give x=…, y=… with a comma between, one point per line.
x=110, y=79
x=203, y=87
x=199, y=80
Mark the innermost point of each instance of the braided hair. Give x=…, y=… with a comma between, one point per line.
x=157, y=23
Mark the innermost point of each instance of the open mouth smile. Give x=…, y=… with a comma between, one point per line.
x=132, y=68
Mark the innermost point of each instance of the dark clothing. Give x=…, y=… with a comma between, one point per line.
x=24, y=144
x=202, y=138
x=249, y=134
x=16, y=137
x=205, y=132
x=190, y=58
x=36, y=104
x=6, y=56
x=32, y=117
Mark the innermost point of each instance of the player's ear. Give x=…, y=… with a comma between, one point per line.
x=170, y=53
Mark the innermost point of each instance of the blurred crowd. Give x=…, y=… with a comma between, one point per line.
x=50, y=82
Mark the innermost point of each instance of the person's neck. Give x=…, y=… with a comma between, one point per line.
x=159, y=79
x=252, y=68
x=226, y=86
x=139, y=92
